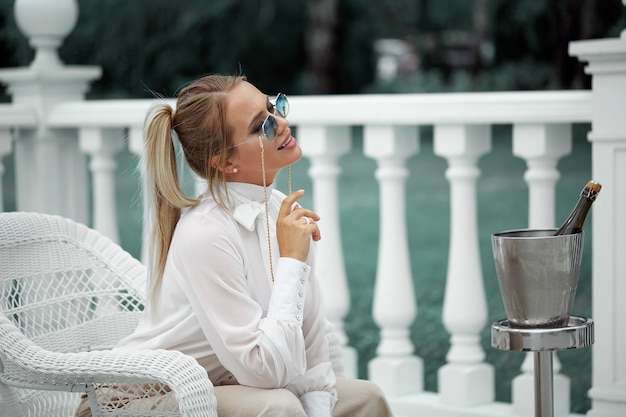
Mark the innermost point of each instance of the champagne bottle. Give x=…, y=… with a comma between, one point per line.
x=574, y=223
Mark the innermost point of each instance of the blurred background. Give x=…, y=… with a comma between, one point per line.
x=150, y=48
x=328, y=46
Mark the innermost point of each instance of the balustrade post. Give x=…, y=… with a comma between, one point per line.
x=6, y=145
x=465, y=380
x=49, y=168
x=323, y=145
x=395, y=369
x=541, y=146
x=102, y=145
x=607, y=65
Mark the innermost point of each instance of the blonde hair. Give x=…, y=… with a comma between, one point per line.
x=199, y=122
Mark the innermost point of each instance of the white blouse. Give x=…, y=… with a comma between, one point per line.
x=217, y=303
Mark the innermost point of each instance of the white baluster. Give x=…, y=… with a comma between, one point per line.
x=6, y=145
x=465, y=380
x=49, y=167
x=323, y=146
x=541, y=146
x=50, y=173
x=102, y=145
x=396, y=369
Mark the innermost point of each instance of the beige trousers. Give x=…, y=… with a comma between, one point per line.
x=356, y=398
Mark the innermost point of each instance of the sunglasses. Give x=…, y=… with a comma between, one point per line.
x=269, y=127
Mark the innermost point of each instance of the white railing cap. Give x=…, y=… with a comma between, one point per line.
x=17, y=116
x=444, y=108
x=368, y=109
x=102, y=113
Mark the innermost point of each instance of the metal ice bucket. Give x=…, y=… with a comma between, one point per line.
x=538, y=275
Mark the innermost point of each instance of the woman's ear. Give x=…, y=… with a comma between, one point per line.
x=226, y=167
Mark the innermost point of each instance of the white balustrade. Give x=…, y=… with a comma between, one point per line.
x=12, y=118
x=48, y=162
x=541, y=138
x=541, y=146
x=465, y=380
x=607, y=64
x=102, y=145
x=323, y=145
x=395, y=368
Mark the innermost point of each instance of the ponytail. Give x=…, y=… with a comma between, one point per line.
x=203, y=132
x=162, y=187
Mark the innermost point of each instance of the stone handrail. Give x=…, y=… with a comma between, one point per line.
x=541, y=128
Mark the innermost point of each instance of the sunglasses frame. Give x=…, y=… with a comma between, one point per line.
x=269, y=127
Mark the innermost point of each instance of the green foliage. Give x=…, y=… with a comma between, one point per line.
x=148, y=47
x=356, y=60
x=14, y=50
x=160, y=45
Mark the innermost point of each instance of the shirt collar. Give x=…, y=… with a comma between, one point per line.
x=241, y=192
x=247, y=202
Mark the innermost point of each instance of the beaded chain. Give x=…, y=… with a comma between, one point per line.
x=267, y=218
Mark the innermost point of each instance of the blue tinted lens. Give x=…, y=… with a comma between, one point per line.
x=270, y=127
x=282, y=105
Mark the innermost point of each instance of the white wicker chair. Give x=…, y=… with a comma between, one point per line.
x=68, y=294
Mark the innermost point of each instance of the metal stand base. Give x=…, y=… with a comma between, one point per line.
x=543, y=341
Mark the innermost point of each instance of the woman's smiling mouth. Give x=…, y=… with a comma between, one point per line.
x=287, y=141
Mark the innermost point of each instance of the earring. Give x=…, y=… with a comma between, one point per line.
x=235, y=170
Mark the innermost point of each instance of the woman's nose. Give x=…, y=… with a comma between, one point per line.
x=281, y=121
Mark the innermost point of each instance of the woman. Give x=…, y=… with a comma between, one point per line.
x=232, y=282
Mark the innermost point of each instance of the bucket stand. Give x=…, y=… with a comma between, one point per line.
x=543, y=342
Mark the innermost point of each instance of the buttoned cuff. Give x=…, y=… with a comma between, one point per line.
x=289, y=291
x=317, y=403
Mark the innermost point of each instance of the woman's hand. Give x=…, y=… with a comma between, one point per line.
x=295, y=227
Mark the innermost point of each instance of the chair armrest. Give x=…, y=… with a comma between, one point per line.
x=26, y=365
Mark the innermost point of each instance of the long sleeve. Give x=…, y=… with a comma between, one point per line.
x=316, y=387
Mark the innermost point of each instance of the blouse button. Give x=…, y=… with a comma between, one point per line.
x=298, y=317
x=305, y=267
x=299, y=305
x=301, y=293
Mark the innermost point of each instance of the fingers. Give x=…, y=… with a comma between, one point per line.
x=315, y=234
x=295, y=227
x=290, y=206
x=289, y=202
x=300, y=212
x=310, y=224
